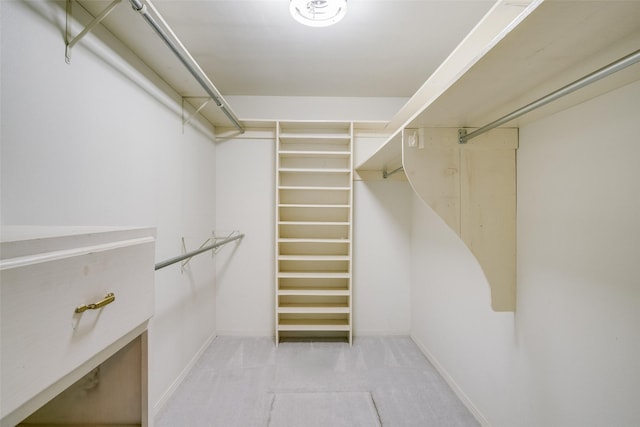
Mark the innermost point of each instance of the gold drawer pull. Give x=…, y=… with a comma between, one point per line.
x=108, y=299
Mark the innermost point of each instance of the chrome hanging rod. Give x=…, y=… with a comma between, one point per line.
x=182, y=257
x=386, y=174
x=172, y=41
x=613, y=67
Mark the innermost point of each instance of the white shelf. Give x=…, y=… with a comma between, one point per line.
x=328, y=223
x=312, y=240
x=314, y=325
x=314, y=308
x=317, y=170
x=314, y=257
x=313, y=275
x=310, y=188
x=513, y=57
x=315, y=138
x=314, y=292
x=314, y=154
x=389, y=155
x=313, y=206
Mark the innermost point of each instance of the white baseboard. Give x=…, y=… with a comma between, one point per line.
x=379, y=333
x=454, y=386
x=359, y=333
x=174, y=386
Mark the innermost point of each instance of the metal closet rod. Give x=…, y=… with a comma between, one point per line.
x=613, y=67
x=386, y=174
x=182, y=257
x=172, y=41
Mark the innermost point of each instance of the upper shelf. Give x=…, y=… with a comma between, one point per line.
x=516, y=56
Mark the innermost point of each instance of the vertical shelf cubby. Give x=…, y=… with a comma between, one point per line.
x=314, y=200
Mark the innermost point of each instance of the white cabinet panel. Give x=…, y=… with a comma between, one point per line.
x=44, y=338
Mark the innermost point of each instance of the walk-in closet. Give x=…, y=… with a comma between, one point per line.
x=280, y=213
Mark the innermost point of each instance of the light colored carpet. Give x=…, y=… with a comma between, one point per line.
x=322, y=409
x=242, y=382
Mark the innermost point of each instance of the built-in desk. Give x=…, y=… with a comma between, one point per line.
x=75, y=303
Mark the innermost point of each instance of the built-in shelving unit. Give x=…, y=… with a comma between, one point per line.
x=519, y=53
x=313, y=230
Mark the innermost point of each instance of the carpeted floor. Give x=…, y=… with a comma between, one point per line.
x=379, y=381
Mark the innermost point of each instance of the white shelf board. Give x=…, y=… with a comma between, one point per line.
x=514, y=56
x=314, y=292
x=311, y=240
x=327, y=171
x=328, y=223
x=338, y=138
x=311, y=206
x=558, y=43
x=313, y=257
x=314, y=308
x=495, y=25
x=312, y=154
x=312, y=275
x=313, y=325
x=308, y=188
x=388, y=155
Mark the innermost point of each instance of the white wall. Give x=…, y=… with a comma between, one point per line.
x=568, y=355
x=315, y=108
x=381, y=257
x=245, y=192
x=100, y=142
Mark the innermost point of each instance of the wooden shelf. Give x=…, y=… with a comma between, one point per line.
x=314, y=325
x=328, y=138
x=314, y=257
x=313, y=229
x=310, y=188
x=314, y=154
x=313, y=206
x=317, y=170
x=389, y=155
x=328, y=223
x=313, y=275
x=314, y=292
x=314, y=308
x=303, y=240
x=513, y=57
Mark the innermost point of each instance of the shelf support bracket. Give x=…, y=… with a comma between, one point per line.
x=187, y=120
x=70, y=42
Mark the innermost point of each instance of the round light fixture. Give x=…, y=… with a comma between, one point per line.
x=318, y=13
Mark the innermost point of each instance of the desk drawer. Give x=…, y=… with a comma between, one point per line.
x=43, y=338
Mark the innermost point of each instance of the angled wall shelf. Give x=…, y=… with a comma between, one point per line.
x=517, y=54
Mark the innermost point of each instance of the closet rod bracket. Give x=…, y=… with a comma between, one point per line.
x=462, y=136
x=70, y=42
x=386, y=174
x=211, y=241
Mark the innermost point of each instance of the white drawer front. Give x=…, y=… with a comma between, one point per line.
x=43, y=338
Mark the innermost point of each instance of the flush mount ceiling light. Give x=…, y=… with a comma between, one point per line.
x=318, y=13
